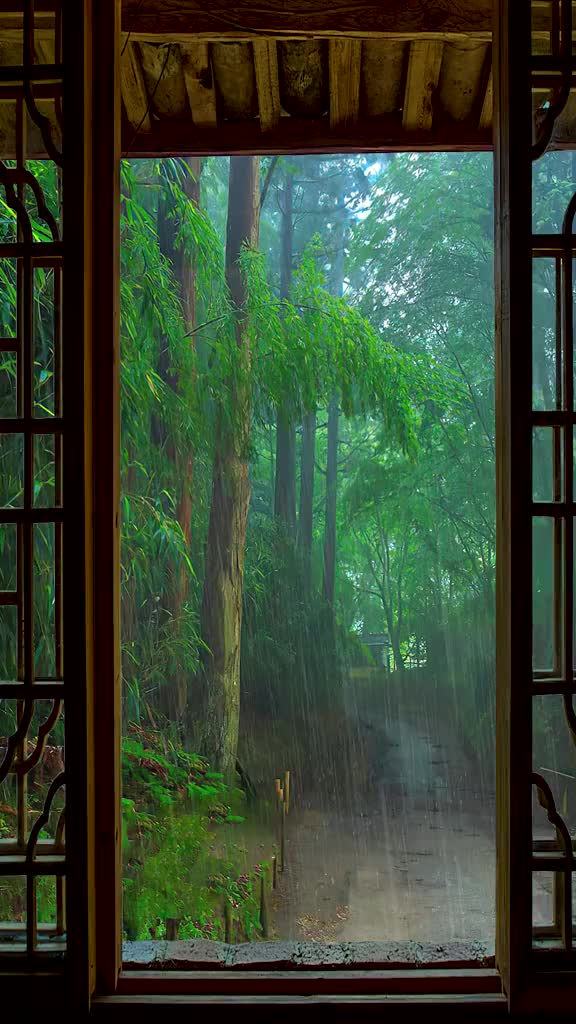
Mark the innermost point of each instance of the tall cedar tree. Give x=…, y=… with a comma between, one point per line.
x=221, y=615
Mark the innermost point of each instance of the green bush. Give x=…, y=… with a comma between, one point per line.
x=177, y=863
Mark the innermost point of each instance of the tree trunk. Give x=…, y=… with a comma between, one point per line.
x=306, y=513
x=395, y=641
x=436, y=639
x=221, y=614
x=329, y=576
x=184, y=269
x=285, y=481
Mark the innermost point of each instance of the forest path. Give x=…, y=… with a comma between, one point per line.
x=428, y=873
x=418, y=863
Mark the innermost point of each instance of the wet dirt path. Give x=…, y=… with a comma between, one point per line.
x=417, y=864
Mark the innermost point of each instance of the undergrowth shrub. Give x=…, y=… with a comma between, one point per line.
x=180, y=859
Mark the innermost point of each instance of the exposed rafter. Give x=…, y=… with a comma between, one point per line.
x=344, y=60
x=421, y=83
x=134, y=95
x=199, y=82
x=267, y=86
x=206, y=76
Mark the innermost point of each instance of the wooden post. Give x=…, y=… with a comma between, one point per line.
x=105, y=701
x=264, y=917
x=283, y=796
x=282, y=837
x=513, y=281
x=172, y=926
x=274, y=871
x=228, y=923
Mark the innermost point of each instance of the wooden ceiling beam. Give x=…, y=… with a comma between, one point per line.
x=344, y=62
x=424, y=66
x=297, y=135
x=133, y=87
x=199, y=82
x=267, y=83
x=218, y=19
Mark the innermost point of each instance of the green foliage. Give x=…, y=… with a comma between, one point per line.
x=405, y=345
x=176, y=813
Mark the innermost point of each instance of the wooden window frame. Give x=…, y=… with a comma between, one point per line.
x=95, y=863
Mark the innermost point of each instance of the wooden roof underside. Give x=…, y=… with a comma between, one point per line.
x=270, y=95
x=282, y=75
x=211, y=76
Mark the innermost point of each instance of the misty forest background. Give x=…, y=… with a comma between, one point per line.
x=307, y=461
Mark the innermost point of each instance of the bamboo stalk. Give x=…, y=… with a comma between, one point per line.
x=228, y=923
x=264, y=917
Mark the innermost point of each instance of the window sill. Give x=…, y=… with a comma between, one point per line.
x=201, y=954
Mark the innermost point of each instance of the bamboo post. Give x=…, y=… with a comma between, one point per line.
x=264, y=918
x=282, y=840
x=283, y=796
x=228, y=923
x=274, y=871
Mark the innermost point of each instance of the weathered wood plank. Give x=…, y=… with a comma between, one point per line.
x=345, y=58
x=424, y=66
x=267, y=85
x=382, y=76
x=235, y=80
x=461, y=79
x=162, y=68
x=134, y=94
x=199, y=82
x=303, y=68
x=217, y=19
